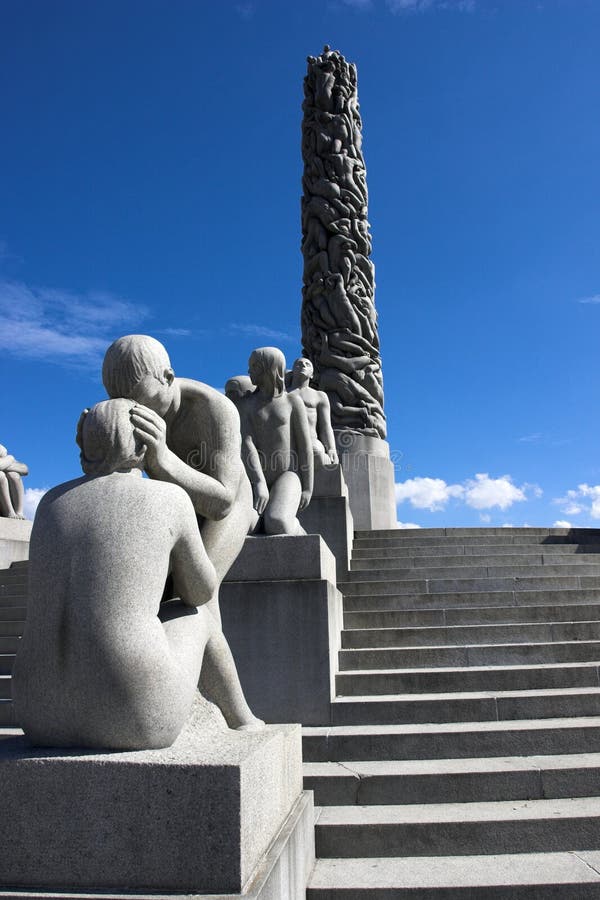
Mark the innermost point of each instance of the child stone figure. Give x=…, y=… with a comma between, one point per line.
x=276, y=445
x=11, y=486
x=102, y=664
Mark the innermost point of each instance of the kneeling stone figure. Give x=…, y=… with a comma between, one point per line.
x=102, y=664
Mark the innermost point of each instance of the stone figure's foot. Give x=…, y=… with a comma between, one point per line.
x=254, y=725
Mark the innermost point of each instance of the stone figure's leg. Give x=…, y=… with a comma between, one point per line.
x=6, y=507
x=220, y=683
x=284, y=499
x=188, y=629
x=15, y=487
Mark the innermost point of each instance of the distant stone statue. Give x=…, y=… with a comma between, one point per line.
x=238, y=387
x=318, y=412
x=192, y=438
x=102, y=664
x=11, y=485
x=276, y=445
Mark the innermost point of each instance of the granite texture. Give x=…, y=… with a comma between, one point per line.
x=369, y=474
x=196, y=817
x=15, y=535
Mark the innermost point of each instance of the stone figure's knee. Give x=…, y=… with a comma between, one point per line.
x=275, y=523
x=3, y=478
x=13, y=476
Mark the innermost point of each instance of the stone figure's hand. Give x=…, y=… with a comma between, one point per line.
x=304, y=499
x=333, y=457
x=151, y=429
x=261, y=497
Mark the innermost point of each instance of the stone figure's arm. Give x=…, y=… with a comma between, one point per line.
x=324, y=429
x=255, y=473
x=6, y=462
x=212, y=495
x=194, y=577
x=302, y=445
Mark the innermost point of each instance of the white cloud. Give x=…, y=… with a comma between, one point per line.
x=594, y=298
x=480, y=492
x=420, y=6
x=31, y=501
x=406, y=525
x=59, y=325
x=485, y=518
x=530, y=438
x=585, y=498
x=427, y=493
x=562, y=523
x=260, y=331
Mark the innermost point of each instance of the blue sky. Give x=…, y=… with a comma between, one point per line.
x=150, y=181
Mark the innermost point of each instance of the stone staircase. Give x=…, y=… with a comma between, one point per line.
x=13, y=603
x=463, y=758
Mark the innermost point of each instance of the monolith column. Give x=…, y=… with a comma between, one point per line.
x=339, y=321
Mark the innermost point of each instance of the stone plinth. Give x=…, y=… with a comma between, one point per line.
x=282, y=615
x=369, y=474
x=199, y=817
x=14, y=540
x=328, y=514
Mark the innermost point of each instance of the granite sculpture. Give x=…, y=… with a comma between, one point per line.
x=192, y=438
x=237, y=387
x=276, y=445
x=339, y=321
x=11, y=485
x=102, y=663
x=318, y=413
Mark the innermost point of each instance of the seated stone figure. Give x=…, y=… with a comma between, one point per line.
x=276, y=445
x=238, y=387
x=101, y=663
x=11, y=485
x=318, y=413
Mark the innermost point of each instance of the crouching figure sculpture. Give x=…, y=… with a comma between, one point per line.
x=102, y=663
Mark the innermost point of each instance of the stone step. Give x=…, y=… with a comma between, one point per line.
x=522, y=876
x=470, y=616
x=435, y=563
x=469, y=656
x=465, y=706
x=13, y=590
x=502, y=540
x=408, y=533
x=9, y=643
x=469, y=585
x=6, y=714
x=5, y=692
x=457, y=573
x=10, y=627
x=534, y=826
x=468, y=550
x=468, y=599
x=476, y=678
x=6, y=663
x=453, y=740
x=469, y=635
x=380, y=782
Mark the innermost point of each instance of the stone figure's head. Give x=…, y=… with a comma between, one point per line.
x=238, y=386
x=303, y=368
x=266, y=368
x=138, y=367
x=106, y=439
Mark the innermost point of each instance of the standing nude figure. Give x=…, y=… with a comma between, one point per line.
x=192, y=437
x=276, y=445
x=318, y=412
x=11, y=486
x=102, y=664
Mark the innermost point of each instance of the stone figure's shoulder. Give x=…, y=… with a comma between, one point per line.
x=296, y=401
x=207, y=398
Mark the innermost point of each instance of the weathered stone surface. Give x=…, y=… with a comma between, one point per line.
x=15, y=535
x=339, y=322
x=197, y=817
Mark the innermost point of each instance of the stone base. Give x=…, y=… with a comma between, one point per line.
x=282, y=614
x=199, y=817
x=369, y=474
x=14, y=540
x=328, y=514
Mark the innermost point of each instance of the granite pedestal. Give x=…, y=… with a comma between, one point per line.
x=329, y=515
x=201, y=817
x=369, y=474
x=14, y=540
x=282, y=615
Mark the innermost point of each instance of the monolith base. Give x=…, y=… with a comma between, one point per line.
x=369, y=474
